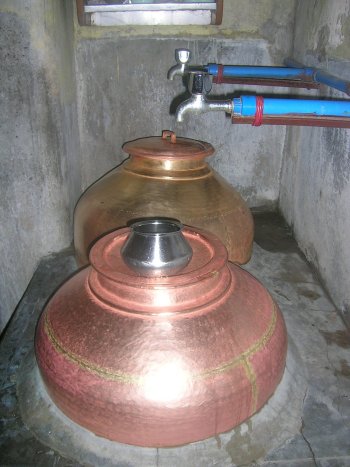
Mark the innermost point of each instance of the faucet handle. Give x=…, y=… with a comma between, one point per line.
x=182, y=56
x=199, y=82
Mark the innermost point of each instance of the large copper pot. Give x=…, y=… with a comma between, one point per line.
x=161, y=361
x=167, y=177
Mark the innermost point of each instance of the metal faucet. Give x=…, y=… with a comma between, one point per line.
x=199, y=85
x=182, y=57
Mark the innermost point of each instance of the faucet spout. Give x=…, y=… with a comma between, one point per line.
x=182, y=57
x=175, y=70
x=198, y=104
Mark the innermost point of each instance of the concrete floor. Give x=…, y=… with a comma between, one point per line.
x=314, y=326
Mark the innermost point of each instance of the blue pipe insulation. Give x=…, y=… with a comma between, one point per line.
x=332, y=81
x=323, y=77
x=239, y=71
x=245, y=106
x=294, y=70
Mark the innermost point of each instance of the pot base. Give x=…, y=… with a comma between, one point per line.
x=276, y=422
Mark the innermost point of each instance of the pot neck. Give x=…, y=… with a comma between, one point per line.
x=207, y=280
x=177, y=168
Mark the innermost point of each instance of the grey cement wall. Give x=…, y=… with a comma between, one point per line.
x=315, y=188
x=39, y=178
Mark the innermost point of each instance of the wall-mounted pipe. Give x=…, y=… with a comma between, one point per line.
x=259, y=110
x=293, y=71
x=335, y=113
x=322, y=77
x=240, y=71
x=246, y=106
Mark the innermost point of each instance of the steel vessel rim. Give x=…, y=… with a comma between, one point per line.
x=135, y=225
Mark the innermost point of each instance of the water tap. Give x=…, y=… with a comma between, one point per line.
x=182, y=57
x=199, y=85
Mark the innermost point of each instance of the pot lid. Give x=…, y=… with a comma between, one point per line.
x=169, y=146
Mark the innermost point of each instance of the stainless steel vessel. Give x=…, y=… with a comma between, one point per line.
x=156, y=247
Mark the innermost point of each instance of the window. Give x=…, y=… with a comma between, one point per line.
x=148, y=12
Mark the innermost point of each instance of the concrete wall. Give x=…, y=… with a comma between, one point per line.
x=40, y=180
x=315, y=188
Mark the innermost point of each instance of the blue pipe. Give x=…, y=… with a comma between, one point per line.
x=238, y=71
x=323, y=77
x=245, y=106
x=293, y=70
x=332, y=81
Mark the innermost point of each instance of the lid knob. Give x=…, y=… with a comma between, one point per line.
x=167, y=134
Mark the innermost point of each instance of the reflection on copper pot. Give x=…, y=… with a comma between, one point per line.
x=165, y=177
x=161, y=361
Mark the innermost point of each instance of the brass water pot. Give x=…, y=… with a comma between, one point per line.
x=165, y=177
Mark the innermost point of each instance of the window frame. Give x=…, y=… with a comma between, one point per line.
x=84, y=19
